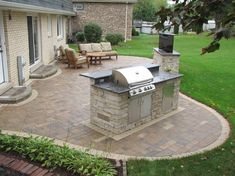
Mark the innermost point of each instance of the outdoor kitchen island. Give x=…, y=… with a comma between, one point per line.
x=124, y=98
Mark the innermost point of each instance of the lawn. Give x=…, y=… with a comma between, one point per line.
x=209, y=79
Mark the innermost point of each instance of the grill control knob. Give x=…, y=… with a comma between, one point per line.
x=150, y=87
x=140, y=90
x=134, y=92
x=145, y=88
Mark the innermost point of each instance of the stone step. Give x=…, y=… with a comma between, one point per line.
x=5, y=87
x=15, y=95
x=44, y=71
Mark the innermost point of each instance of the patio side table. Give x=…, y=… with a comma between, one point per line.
x=95, y=58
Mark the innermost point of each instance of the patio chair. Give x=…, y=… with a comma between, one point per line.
x=74, y=59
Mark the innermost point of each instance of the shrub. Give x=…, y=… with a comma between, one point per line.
x=80, y=37
x=114, y=39
x=93, y=33
x=44, y=151
x=135, y=32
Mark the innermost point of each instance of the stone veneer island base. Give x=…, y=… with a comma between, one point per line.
x=167, y=61
x=112, y=108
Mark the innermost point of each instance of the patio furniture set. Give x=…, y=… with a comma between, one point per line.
x=91, y=53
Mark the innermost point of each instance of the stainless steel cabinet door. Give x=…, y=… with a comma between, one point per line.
x=146, y=106
x=134, y=110
x=167, y=98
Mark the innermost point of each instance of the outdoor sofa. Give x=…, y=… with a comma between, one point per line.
x=103, y=48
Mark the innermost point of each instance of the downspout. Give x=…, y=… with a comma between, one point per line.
x=126, y=24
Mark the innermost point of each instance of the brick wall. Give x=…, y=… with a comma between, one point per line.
x=110, y=16
x=16, y=36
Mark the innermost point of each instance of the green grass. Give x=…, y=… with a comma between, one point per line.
x=209, y=79
x=74, y=46
x=139, y=46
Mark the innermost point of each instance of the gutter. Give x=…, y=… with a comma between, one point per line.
x=32, y=8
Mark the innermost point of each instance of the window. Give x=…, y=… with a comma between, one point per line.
x=60, y=27
x=78, y=6
x=49, y=26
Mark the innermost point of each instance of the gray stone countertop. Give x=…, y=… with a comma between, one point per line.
x=158, y=78
x=110, y=86
x=164, y=53
x=107, y=73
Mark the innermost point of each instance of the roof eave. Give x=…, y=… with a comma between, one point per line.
x=32, y=8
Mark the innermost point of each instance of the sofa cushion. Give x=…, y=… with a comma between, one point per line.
x=106, y=46
x=85, y=47
x=96, y=47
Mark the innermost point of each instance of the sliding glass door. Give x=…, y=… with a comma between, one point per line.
x=33, y=36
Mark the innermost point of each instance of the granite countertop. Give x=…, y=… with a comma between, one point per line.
x=159, y=77
x=110, y=86
x=107, y=73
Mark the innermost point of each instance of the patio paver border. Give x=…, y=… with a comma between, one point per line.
x=222, y=138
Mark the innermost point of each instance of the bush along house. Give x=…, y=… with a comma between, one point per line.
x=114, y=16
x=30, y=33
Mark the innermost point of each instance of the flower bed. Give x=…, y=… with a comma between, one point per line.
x=45, y=152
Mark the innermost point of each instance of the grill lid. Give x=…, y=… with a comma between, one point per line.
x=132, y=76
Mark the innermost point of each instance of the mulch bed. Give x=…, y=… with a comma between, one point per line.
x=18, y=166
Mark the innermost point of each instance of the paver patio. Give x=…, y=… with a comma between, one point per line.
x=61, y=111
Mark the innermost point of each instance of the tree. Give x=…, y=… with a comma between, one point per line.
x=192, y=14
x=145, y=9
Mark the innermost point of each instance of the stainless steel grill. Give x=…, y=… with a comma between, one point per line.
x=138, y=79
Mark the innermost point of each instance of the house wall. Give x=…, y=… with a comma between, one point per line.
x=110, y=16
x=48, y=42
x=16, y=36
x=16, y=41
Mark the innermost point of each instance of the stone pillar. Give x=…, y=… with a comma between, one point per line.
x=168, y=62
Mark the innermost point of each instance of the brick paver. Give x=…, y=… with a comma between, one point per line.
x=63, y=105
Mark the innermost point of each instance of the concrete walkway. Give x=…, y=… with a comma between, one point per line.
x=61, y=111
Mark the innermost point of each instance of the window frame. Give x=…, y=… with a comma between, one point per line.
x=78, y=6
x=49, y=26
